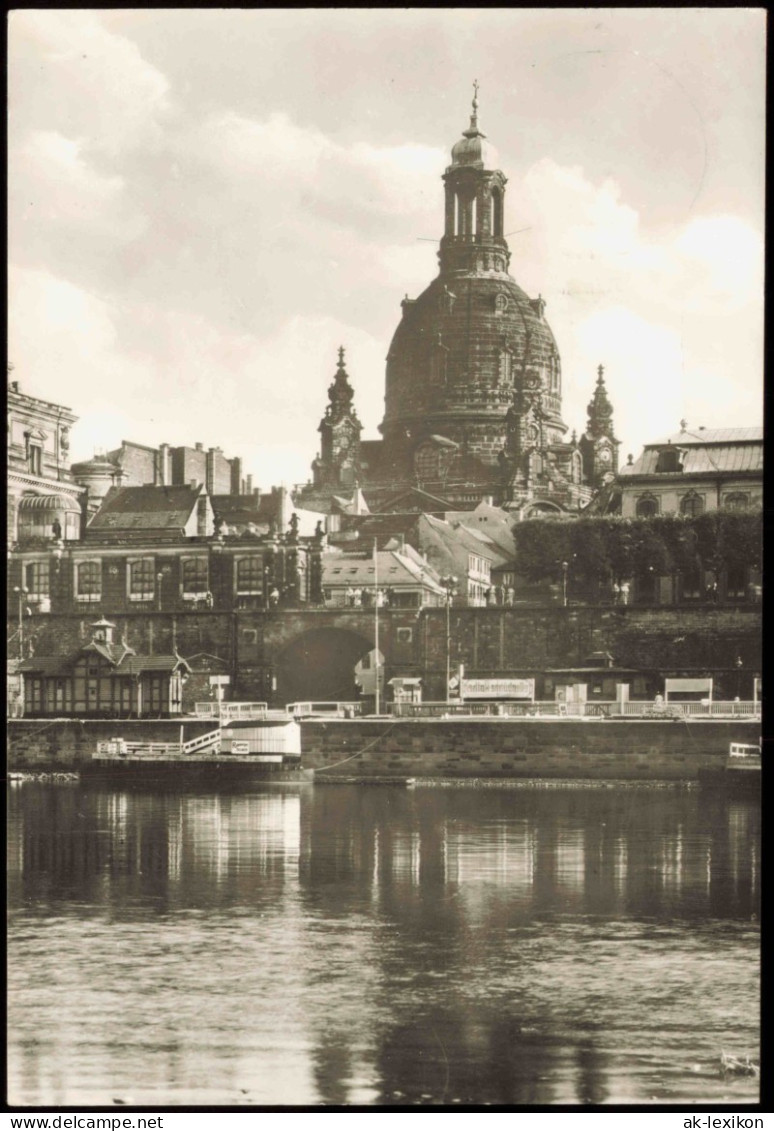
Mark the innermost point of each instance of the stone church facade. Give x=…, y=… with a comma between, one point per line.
x=473, y=399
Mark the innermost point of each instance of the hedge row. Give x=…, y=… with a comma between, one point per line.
x=615, y=550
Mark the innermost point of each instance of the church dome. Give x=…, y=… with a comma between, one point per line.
x=473, y=148
x=457, y=354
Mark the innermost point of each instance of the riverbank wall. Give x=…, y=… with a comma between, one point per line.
x=633, y=749
x=48, y=745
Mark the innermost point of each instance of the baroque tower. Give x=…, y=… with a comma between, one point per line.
x=338, y=464
x=598, y=444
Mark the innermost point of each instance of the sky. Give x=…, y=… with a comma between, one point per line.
x=204, y=204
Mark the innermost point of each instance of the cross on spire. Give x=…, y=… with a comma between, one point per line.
x=341, y=357
x=601, y=372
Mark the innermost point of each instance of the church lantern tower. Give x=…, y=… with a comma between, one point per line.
x=471, y=351
x=338, y=464
x=598, y=444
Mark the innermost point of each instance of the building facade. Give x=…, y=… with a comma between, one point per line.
x=43, y=500
x=694, y=471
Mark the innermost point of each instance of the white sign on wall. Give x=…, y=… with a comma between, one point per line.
x=498, y=689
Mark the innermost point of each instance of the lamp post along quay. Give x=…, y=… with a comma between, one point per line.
x=376, y=629
x=450, y=585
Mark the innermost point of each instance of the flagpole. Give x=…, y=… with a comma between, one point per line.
x=376, y=624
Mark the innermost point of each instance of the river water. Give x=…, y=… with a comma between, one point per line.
x=342, y=944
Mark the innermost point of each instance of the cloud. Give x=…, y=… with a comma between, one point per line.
x=676, y=316
x=70, y=74
x=261, y=397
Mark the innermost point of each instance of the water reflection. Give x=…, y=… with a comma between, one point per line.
x=341, y=944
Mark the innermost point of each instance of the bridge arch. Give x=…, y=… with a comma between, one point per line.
x=320, y=664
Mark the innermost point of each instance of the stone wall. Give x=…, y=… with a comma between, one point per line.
x=491, y=642
x=68, y=744
x=601, y=749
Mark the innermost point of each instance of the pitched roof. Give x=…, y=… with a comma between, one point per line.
x=145, y=508
x=712, y=436
x=458, y=535
x=395, y=568
x=699, y=459
x=240, y=510
x=128, y=665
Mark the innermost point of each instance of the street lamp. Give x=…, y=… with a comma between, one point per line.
x=450, y=585
x=565, y=567
x=739, y=663
x=22, y=593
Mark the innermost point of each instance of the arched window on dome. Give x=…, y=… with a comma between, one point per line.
x=427, y=462
x=497, y=211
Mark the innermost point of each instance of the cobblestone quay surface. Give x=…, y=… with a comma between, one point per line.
x=604, y=749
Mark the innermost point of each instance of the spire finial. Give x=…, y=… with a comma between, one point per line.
x=341, y=357
x=601, y=373
x=474, y=115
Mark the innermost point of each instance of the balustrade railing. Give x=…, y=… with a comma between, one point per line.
x=638, y=709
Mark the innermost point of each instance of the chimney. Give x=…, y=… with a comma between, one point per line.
x=164, y=476
x=236, y=475
x=249, y=488
x=199, y=447
x=193, y=483
x=210, y=471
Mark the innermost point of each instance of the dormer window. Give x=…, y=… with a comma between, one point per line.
x=670, y=459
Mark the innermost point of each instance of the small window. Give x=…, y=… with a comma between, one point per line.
x=405, y=635
x=647, y=507
x=195, y=579
x=692, y=504
x=35, y=459
x=88, y=581
x=249, y=576
x=141, y=580
x=36, y=579
x=737, y=501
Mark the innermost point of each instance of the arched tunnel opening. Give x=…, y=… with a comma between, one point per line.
x=320, y=665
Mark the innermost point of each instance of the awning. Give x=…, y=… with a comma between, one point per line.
x=49, y=503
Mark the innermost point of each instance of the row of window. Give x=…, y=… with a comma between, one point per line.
x=142, y=578
x=691, y=503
